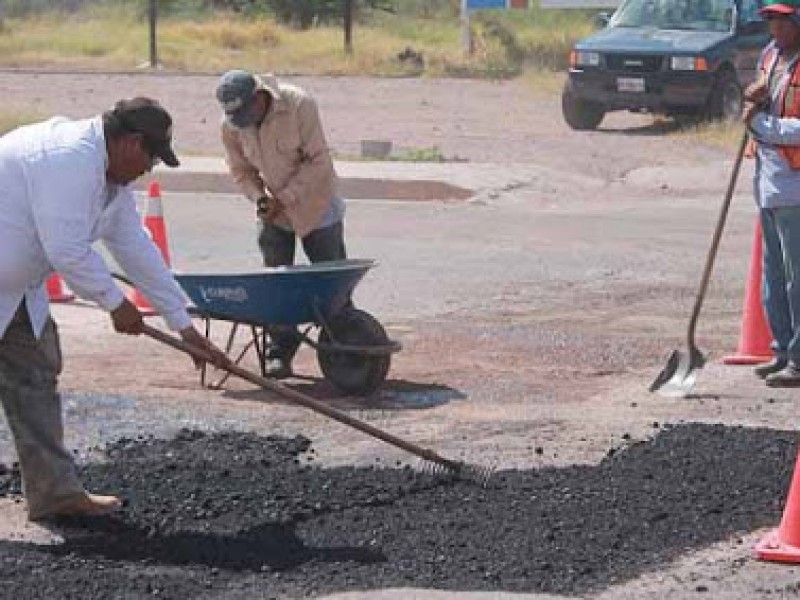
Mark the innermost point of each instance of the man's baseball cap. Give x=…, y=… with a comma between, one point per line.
x=148, y=117
x=236, y=92
x=782, y=7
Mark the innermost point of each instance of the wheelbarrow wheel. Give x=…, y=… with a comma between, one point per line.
x=358, y=374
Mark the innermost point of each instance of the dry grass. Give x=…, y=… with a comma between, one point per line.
x=718, y=134
x=117, y=38
x=12, y=120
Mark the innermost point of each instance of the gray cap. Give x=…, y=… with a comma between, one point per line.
x=236, y=92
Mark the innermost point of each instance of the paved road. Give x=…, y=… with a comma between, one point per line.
x=535, y=313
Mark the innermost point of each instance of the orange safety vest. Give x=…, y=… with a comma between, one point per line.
x=789, y=99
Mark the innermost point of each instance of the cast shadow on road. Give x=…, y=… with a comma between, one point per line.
x=272, y=545
x=394, y=394
x=657, y=128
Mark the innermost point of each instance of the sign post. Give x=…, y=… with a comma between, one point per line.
x=153, y=16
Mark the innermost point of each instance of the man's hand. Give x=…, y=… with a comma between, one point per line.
x=268, y=209
x=127, y=318
x=757, y=92
x=218, y=358
x=750, y=111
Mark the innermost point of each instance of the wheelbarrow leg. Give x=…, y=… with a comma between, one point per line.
x=261, y=347
x=208, y=336
x=228, y=346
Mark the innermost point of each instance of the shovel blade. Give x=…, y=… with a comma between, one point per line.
x=679, y=375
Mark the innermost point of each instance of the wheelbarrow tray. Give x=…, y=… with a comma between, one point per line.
x=289, y=295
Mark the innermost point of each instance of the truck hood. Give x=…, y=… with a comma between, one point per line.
x=650, y=39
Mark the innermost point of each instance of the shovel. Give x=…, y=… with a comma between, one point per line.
x=678, y=377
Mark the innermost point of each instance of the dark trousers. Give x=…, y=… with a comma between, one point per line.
x=278, y=249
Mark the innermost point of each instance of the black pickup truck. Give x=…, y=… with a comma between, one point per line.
x=672, y=57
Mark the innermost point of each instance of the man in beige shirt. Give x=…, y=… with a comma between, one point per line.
x=277, y=154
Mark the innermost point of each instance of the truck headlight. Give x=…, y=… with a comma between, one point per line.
x=688, y=63
x=582, y=58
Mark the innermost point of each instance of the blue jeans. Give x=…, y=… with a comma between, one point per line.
x=781, y=281
x=278, y=248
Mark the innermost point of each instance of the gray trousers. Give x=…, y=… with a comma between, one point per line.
x=29, y=370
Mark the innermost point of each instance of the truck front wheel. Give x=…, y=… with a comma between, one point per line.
x=725, y=99
x=581, y=115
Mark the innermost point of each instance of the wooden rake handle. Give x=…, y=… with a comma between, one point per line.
x=296, y=397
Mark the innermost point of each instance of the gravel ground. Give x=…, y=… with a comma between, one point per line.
x=241, y=516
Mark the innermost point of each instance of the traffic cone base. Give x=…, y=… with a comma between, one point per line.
x=57, y=291
x=772, y=549
x=783, y=544
x=747, y=359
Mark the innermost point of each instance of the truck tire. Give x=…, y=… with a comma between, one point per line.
x=581, y=115
x=725, y=99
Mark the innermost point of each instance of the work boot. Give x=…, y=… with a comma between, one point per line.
x=788, y=377
x=83, y=505
x=776, y=364
x=277, y=368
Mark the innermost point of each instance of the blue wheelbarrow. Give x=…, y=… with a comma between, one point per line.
x=353, y=349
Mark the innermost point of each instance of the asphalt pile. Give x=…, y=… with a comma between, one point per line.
x=242, y=516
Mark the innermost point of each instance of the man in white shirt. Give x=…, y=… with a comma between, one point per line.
x=64, y=185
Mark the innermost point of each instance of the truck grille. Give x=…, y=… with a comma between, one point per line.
x=633, y=63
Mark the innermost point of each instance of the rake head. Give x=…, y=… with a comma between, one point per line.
x=458, y=470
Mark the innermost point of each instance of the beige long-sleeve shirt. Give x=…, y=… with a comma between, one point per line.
x=286, y=156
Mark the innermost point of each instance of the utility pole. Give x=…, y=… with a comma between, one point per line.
x=348, y=26
x=153, y=16
x=466, y=31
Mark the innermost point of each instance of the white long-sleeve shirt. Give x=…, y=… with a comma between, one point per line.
x=55, y=202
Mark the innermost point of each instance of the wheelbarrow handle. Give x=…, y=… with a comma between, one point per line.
x=298, y=398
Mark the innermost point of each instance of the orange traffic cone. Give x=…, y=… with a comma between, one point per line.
x=57, y=291
x=755, y=337
x=154, y=224
x=783, y=544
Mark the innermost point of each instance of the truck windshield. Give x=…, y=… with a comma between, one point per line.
x=691, y=15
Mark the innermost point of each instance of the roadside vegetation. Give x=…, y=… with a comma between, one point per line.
x=11, y=120
x=409, y=38
x=390, y=37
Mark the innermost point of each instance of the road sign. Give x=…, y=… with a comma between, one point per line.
x=579, y=3
x=490, y=4
x=485, y=4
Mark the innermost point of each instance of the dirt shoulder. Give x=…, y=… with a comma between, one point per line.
x=480, y=121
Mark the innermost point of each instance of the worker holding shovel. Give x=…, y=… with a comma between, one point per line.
x=63, y=185
x=772, y=115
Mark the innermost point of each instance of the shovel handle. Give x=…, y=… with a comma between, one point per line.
x=297, y=398
x=712, y=251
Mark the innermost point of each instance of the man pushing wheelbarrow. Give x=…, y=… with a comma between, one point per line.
x=277, y=154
